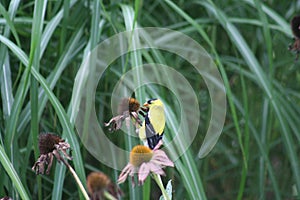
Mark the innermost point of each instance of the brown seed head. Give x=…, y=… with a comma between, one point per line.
x=140, y=154
x=128, y=104
x=295, y=25
x=47, y=142
x=97, y=181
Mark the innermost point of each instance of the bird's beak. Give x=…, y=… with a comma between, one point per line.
x=146, y=105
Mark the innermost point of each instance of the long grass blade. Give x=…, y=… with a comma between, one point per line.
x=9, y=168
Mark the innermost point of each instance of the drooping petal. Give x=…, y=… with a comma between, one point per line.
x=127, y=122
x=133, y=171
x=39, y=165
x=61, y=147
x=158, y=145
x=123, y=176
x=50, y=162
x=143, y=172
x=161, y=158
x=132, y=181
x=115, y=123
x=156, y=169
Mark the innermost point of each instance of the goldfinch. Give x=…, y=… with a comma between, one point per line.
x=153, y=126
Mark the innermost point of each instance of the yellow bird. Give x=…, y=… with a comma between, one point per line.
x=153, y=126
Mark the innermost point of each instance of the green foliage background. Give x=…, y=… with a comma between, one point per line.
x=43, y=44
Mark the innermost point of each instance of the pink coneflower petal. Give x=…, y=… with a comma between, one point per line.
x=122, y=178
x=143, y=172
x=145, y=161
x=132, y=181
x=156, y=169
x=161, y=158
x=164, y=163
x=125, y=172
x=133, y=171
x=127, y=169
x=158, y=145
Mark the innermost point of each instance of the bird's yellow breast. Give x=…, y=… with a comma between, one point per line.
x=157, y=118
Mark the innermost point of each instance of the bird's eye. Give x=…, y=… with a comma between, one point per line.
x=150, y=100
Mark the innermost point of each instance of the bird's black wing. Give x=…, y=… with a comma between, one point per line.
x=152, y=137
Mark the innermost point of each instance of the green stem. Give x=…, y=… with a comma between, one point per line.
x=157, y=179
x=109, y=196
x=86, y=196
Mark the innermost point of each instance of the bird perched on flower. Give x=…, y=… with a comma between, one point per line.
x=153, y=126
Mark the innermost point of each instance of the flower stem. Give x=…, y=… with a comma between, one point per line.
x=86, y=196
x=109, y=196
x=157, y=179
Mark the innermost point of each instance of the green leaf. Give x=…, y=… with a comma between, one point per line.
x=169, y=190
x=12, y=174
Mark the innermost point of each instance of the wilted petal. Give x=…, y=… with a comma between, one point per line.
x=161, y=158
x=123, y=176
x=158, y=145
x=39, y=165
x=143, y=172
x=66, y=154
x=6, y=198
x=156, y=169
x=57, y=155
x=132, y=172
x=132, y=181
x=62, y=146
x=49, y=162
x=137, y=120
x=115, y=123
x=127, y=122
x=38, y=168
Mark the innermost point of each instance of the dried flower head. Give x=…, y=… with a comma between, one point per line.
x=50, y=145
x=295, y=26
x=143, y=160
x=47, y=142
x=128, y=109
x=6, y=198
x=98, y=183
x=128, y=104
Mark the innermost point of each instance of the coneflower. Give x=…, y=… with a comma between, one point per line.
x=128, y=109
x=100, y=187
x=144, y=161
x=51, y=146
